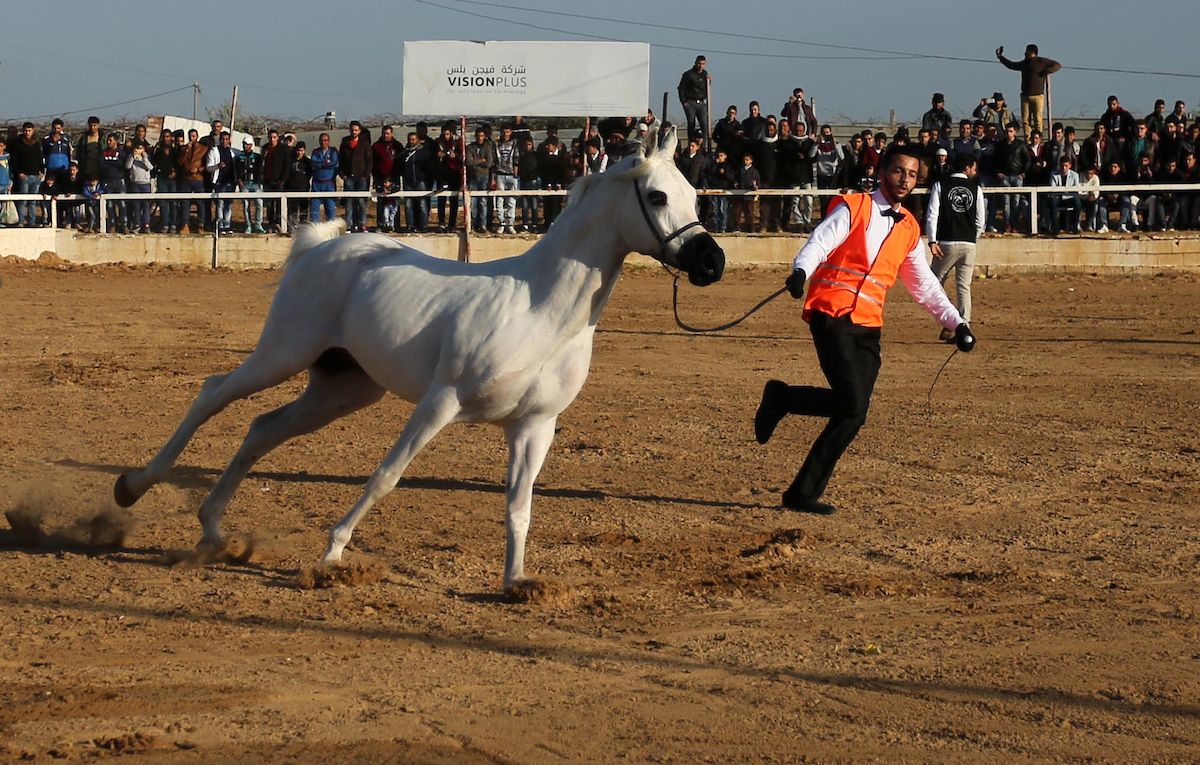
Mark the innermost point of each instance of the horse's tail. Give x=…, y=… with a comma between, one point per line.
x=312, y=234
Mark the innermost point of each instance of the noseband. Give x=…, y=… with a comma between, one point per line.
x=662, y=241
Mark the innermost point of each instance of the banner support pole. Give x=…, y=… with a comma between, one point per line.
x=465, y=254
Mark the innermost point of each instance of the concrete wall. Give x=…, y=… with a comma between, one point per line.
x=1140, y=253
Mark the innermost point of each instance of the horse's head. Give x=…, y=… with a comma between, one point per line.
x=664, y=224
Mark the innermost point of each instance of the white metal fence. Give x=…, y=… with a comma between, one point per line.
x=1030, y=194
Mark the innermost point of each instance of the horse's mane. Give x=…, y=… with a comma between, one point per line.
x=629, y=168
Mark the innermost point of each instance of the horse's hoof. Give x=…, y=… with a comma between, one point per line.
x=123, y=495
x=210, y=544
x=331, y=558
x=541, y=592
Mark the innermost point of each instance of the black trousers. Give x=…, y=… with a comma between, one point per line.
x=849, y=357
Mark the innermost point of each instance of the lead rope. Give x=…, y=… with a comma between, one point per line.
x=727, y=325
x=929, y=397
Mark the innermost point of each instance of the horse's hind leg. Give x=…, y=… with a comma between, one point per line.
x=258, y=372
x=434, y=412
x=329, y=396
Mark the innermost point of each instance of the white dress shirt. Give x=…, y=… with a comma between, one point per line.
x=914, y=271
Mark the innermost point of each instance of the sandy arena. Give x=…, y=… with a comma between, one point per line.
x=1011, y=577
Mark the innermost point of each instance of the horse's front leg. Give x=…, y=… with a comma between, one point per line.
x=528, y=442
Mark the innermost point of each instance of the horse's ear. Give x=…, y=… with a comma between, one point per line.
x=650, y=145
x=669, y=142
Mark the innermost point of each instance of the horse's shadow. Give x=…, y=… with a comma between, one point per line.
x=193, y=477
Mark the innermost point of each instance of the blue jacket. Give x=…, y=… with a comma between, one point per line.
x=5, y=175
x=324, y=165
x=57, y=153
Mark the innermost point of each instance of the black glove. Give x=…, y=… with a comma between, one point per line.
x=964, y=339
x=795, y=283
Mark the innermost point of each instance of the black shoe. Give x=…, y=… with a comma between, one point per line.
x=814, y=506
x=770, y=410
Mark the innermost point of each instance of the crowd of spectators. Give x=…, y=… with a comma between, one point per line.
x=788, y=150
x=84, y=173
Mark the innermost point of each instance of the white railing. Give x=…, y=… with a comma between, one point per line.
x=1031, y=192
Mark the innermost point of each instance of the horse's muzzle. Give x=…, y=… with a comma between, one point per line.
x=703, y=259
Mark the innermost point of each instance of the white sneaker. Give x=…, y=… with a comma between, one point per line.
x=1123, y=229
x=510, y=230
x=1102, y=230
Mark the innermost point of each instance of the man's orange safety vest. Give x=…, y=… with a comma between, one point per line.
x=847, y=283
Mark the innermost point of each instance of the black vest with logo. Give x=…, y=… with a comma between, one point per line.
x=956, y=210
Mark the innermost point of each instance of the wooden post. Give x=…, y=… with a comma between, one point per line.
x=465, y=255
x=708, y=116
x=233, y=110
x=1049, y=110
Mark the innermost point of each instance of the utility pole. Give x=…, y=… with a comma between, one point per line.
x=233, y=109
x=195, y=97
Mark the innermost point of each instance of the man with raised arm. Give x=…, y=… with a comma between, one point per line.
x=854, y=256
x=1034, y=70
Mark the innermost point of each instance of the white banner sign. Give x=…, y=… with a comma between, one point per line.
x=445, y=78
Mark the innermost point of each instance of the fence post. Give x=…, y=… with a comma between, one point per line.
x=103, y=214
x=283, y=214
x=216, y=225
x=1033, y=212
x=53, y=212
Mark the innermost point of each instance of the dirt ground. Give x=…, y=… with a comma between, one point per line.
x=1011, y=576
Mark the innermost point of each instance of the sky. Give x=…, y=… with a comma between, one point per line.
x=303, y=58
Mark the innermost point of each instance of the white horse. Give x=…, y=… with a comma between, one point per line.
x=507, y=342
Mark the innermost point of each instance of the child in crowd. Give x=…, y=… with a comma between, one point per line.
x=91, y=206
x=50, y=188
x=69, y=210
x=748, y=180
x=720, y=176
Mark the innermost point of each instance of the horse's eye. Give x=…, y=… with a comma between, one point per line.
x=658, y=198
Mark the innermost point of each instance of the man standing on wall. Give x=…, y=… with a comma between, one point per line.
x=854, y=256
x=693, y=95
x=797, y=110
x=1034, y=70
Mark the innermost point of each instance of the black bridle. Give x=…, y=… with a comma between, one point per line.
x=662, y=241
